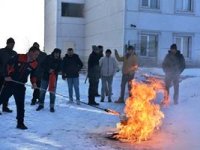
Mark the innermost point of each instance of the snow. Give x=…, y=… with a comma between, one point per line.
x=83, y=127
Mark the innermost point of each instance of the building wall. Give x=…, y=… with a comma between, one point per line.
x=50, y=30
x=104, y=23
x=166, y=22
x=70, y=31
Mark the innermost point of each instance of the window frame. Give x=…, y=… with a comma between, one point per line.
x=81, y=15
x=149, y=5
x=181, y=47
x=182, y=10
x=148, y=47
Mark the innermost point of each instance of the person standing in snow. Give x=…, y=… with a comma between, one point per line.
x=173, y=65
x=129, y=67
x=93, y=74
x=5, y=55
x=17, y=72
x=71, y=65
x=51, y=66
x=108, y=67
x=38, y=73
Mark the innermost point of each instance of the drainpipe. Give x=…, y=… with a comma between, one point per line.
x=124, y=25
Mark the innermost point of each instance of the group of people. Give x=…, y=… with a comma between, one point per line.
x=44, y=69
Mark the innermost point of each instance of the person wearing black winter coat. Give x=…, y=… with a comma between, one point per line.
x=93, y=74
x=173, y=65
x=39, y=72
x=51, y=66
x=71, y=65
x=5, y=55
x=17, y=72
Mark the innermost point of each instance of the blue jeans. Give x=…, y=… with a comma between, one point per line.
x=44, y=86
x=106, y=84
x=73, y=82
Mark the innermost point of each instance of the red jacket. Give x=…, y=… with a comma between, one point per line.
x=19, y=69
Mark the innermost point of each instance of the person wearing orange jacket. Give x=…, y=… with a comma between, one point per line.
x=17, y=72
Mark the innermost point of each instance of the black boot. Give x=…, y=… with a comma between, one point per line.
x=92, y=101
x=39, y=108
x=6, y=109
x=21, y=125
x=52, y=109
x=33, y=101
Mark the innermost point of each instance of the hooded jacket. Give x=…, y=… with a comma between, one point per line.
x=108, y=66
x=51, y=63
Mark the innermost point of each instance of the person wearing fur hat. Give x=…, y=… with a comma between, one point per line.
x=51, y=66
x=173, y=65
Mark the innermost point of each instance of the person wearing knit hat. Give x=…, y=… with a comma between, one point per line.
x=5, y=55
x=173, y=65
x=52, y=66
x=38, y=73
x=10, y=40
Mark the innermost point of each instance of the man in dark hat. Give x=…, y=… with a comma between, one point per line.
x=93, y=74
x=5, y=55
x=173, y=65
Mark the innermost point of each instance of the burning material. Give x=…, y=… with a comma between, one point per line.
x=142, y=116
x=112, y=112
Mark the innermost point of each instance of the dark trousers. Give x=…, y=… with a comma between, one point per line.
x=5, y=102
x=93, y=85
x=36, y=92
x=96, y=88
x=126, y=78
x=173, y=80
x=18, y=91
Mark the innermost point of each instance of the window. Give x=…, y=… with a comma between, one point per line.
x=72, y=10
x=148, y=45
x=184, y=5
x=184, y=44
x=151, y=4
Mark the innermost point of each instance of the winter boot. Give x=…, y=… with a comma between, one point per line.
x=21, y=125
x=6, y=109
x=78, y=102
x=92, y=101
x=120, y=100
x=33, y=101
x=39, y=108
x=109, y=100
x=52, y=109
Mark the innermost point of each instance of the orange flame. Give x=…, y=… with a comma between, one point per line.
x=142, y=115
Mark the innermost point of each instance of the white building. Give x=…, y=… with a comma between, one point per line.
x=150, y=25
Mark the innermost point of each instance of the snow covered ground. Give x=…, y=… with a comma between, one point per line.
x=83, y=127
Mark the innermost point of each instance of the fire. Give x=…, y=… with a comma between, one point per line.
x=142, y=116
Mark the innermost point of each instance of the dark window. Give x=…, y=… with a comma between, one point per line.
x=72, y=10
